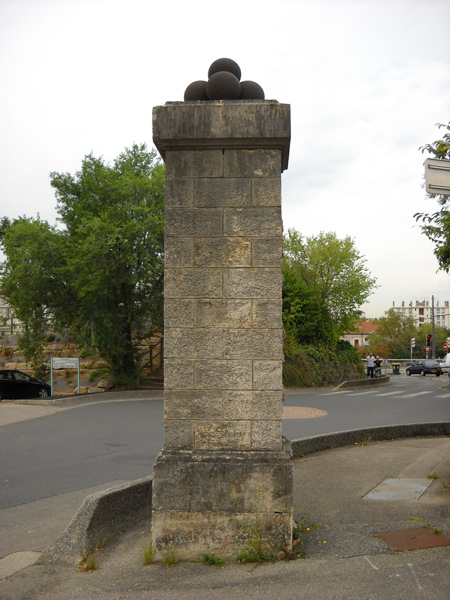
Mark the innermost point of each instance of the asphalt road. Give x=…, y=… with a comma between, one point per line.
x=108, y=441
x=413, y=399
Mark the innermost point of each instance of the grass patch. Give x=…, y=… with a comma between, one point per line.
x=432, y=476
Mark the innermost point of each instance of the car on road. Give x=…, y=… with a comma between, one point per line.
x=16, y=384
x=424, y=367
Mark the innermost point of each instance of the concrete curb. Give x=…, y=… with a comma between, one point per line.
x=110, y=512
x=102, y=516
x=364, y=383
x=328, y=441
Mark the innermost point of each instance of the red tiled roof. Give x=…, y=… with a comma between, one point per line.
x=364, y=327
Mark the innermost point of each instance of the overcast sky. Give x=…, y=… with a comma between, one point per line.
x=367, y=80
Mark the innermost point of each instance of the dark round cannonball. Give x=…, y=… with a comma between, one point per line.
x=223, y=86
x=195, y=91
x=225, y=64
x=250, y=90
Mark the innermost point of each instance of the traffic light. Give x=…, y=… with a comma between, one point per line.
x=428, y=340
x=413, y=342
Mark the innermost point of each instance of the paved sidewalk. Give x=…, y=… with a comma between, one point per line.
x=346, y=559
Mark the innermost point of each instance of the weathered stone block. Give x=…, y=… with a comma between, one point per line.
x=187, y=404
x=267, y=375
x=252, y=283
x=223, y=435
x=192, y=534
x=178, y=252
x=267, y=251
x=223, y=252
x=267, y=435
x=179, y=193
x=252, y=163
x=178, y=435
x=193, y=283
x=187, y=222
x=266, y=191
x=222, y=124
x=222, y=192
x=223, y=374
x=253, y=343
x=223, y=313
x=252, y=405
x=223, y=481
x=193, y=163
x=267, y=314
x=179, y=312
x=178, y=374
x=262, y=221
x=193, y=343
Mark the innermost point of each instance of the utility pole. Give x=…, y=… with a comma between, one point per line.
x=433, y=341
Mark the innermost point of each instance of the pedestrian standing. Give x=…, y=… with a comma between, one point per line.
x=370, y=365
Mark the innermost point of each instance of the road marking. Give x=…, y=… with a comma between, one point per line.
x=362, y=393
x=390, y=393
x=416, y=394
x=443, y=396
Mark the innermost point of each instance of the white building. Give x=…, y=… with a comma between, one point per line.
x=9, y=324
x=421, y=312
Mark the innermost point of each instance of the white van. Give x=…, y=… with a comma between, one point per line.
x=445, y=364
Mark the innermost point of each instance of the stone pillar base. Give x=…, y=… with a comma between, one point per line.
x=216, y=502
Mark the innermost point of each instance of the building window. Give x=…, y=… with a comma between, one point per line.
x=356, y=343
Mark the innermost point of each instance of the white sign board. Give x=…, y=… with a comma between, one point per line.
x=437, y=176
x=65, y=363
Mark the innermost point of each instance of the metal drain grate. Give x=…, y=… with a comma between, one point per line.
x=414, y=539
x=399, y=489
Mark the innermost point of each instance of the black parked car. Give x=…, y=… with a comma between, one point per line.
x=424, y=367
x=15, y=384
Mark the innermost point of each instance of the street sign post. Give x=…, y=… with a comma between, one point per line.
x=437, y=176
x=65, y=363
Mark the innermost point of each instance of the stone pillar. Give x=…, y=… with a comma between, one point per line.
x=224, y=466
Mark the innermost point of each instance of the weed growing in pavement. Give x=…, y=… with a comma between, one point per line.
x=170, y=559
x=300, y=535
x=148, y=554
x=88, y=562
x=211, y=560
x=432, y=476
x=256, y=552
x=100, y=545
x=365, y=441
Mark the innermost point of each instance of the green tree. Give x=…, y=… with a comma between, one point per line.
x=393, y=336
x=436, y=226
x=335, y=271
x=101, y=275
x=305, y=316
x=32, y=281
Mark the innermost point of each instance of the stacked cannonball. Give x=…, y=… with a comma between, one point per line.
x=224, y=83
